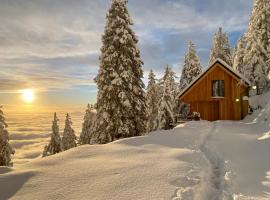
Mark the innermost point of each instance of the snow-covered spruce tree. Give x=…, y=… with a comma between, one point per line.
x=87, y=128
x=257, y=54
x=221, y=48
x=69, y=137
x=166, y=105
x=192, y=67
x=5, y=148
x=239, y=53
x=121, y=101
x=174, y=87
x=168, y=73
x=151, y=102
x=55, y=144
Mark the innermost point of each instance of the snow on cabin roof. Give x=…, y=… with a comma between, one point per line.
x=224, y=64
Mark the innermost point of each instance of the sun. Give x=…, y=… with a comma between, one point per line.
x=28, y=95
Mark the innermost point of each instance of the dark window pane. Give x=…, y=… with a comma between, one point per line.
x=218, y=88
x=222, y=88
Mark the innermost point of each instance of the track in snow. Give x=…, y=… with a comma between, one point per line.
x=217, y=187
x=211, y=184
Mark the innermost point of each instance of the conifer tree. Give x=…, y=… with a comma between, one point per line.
x=87, y=128
x=5, y=148
x=192, y=67
x=238, y=60
x=151, y=102
x=55, y=144
x=168, y=73
x=257, y=53
x=121, y=101
x=69, y=137
x=221, y=48
x=166, y=105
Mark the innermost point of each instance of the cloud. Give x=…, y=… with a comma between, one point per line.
x=9, y=85
x=193, y=15
x=171, y=24
x=48, y=73
x=50, y=44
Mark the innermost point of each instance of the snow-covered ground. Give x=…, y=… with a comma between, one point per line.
x=197, y=160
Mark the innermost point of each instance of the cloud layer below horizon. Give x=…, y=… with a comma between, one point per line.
x=54, y=45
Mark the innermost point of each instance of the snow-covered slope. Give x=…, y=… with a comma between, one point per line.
x=224, y=160
x=147, y=167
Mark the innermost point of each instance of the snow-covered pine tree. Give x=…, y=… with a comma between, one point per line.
x=221, y=48
x=55, y=144
x=174, y=92
x=151, y=102
x=87, y=128
x=173, y=84
x=239, y=53
x=121, y=101
x=166, y=105
x=192, y=67
x=5, y=148
x=69, y=137
x=257, y=54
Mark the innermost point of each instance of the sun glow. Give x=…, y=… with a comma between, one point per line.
x=28, y=95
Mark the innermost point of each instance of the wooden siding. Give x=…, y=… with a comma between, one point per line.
x=199, y=96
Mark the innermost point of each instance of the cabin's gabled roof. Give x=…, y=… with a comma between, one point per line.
x=223, y=64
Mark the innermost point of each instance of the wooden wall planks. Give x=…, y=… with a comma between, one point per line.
x=199, y=96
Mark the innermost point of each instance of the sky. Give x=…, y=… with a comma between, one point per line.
x=53, y=46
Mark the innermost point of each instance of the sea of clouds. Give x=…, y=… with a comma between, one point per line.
x=29, y=132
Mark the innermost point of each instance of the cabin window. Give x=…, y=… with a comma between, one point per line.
x=218, y=88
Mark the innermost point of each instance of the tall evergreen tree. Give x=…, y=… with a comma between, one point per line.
x=257, y=54
x=55, y=144
x=170, y=74
x=221, y=48
x=5, y=148
x=121, y=101
x=151, y=102
x=87, y=128
x=192, y=67
x=69, y=137
x=239, y=53
x=166, y=105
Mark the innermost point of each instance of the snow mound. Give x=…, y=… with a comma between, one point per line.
x=261, y=116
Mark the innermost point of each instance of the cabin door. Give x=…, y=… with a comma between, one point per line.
x=214, y=111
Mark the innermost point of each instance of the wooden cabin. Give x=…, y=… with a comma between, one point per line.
x=219, y=93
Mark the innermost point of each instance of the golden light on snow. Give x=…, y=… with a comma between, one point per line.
x=28, y=95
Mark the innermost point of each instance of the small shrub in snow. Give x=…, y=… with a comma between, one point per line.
x=5, y=148
x=184, y=110
x=196, y=116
